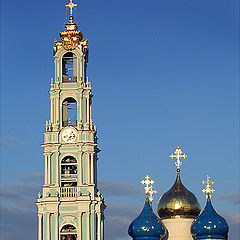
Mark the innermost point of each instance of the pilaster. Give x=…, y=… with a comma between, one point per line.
x=48, y=225
x=40, y=216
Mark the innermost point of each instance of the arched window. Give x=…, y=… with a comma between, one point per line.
x=69, y=172
x=69, y=67
x=68, y=232
x=69, y=109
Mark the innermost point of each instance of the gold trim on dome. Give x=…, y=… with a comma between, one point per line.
x=178, y=156
x=208, y=190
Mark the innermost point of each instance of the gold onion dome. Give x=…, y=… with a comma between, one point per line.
x=178, y=202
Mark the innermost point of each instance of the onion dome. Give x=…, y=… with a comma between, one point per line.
x=178, y=202
x=147, y=225
x=209, y=224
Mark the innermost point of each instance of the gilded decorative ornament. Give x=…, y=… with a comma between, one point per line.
x=208, y=190
x=71, y=37
x=149, y=188
x=178, y=156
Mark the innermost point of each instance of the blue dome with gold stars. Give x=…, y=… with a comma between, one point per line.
x=147, y=225
x=209, y=224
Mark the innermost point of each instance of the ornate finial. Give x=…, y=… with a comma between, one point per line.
x=178, y=156
x=147, y=182
x=71, y=5
x=151, y=192
x=208, y=188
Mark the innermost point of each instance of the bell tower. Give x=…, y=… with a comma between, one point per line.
x=70, y=206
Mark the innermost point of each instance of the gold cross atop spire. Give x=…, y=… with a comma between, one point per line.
x=208, y=188
x=178, y=156
x=147, y=182
x=149, y=188
x=71, y=5
x=151, y=192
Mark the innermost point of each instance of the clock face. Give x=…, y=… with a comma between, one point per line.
x=69, y=135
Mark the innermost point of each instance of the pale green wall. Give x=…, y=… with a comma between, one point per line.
x=61, y=208
x=44, y=226
x=74, y=223
x=92, y=224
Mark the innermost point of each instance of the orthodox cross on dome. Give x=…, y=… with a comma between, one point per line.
x=151, y=192
x=178, y=156
x=71, y=5
x=148, y=184
x=208, y=188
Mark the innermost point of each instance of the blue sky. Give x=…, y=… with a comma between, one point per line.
x=164, y=73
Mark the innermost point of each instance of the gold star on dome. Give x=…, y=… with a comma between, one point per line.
x=208, y=188
x=148, y=184
x=178, y=156
x=71, y=5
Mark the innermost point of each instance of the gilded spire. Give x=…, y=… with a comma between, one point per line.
x=71, y=5
x=208, y=190
x=149, y=188
x=178, y=155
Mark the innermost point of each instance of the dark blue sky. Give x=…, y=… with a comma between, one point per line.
x=164, y=73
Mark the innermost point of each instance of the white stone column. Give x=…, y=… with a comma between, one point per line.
x=51, y=100
x=88, y=168
x=46, y=168
x=80, y=226
x=80, y=109
x=102, y=229
x=57, y=108
x=90, y=111
x=56, y=226
x=79, y=170
x=57, y=168
x=92, y=168
x=99, y=226
x=48, y=226
x=40, y=226
x=87, y=98
x=49, y=168
x=88, y=225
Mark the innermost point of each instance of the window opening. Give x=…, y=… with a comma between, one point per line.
x=69, y=112
x=69, y=172
x=69, y=68
x=68, y=232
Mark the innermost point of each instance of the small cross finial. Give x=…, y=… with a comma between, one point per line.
x=71, y=5
x=151, y=192
x=178, y=156
x=208, y=188
x=147, y=182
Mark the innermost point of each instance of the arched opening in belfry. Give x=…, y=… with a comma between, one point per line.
x=68, y=232
x=69, y=172
x=69, y=68
x=69, y=111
